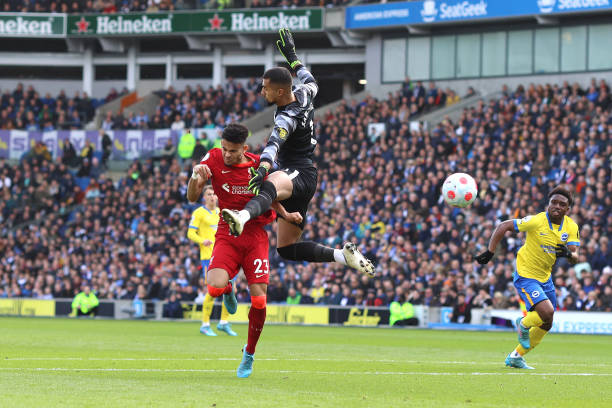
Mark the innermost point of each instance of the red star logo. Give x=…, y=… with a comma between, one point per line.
x=82, y=25
x=215, y=22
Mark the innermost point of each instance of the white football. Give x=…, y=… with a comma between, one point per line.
x=459, y=190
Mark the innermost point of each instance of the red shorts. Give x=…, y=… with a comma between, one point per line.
x=249, y=251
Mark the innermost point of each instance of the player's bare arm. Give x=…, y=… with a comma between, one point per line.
x=294, y=217
x=497, y=236
x=199, y=177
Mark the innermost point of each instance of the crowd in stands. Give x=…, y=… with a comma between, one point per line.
x=24, y=108
x=152, y=6
x=195, y=108
x=381, y=192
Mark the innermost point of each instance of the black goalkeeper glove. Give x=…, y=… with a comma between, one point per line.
x=563, y=251
x=257, y=178
x=484, y=258
x=286, y=46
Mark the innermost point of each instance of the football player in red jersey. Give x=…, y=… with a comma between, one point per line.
x=228, y=168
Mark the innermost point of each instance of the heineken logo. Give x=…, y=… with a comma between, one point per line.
x=215, y=22
x=269, y=22
x=26, y=26
x=156, y=24
x=82, y=25
x=131, y=25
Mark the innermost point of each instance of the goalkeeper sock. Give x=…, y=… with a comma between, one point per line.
x=262, y=201
x=308, y=251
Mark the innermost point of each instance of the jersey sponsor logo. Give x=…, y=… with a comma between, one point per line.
x=549, y=249
x=535, y=294
x=564, y=236
x=236, y=189
x=241, y=190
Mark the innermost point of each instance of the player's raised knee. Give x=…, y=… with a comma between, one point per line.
x=259, y=302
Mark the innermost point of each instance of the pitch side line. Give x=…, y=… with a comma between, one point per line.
x=290, y=359
x=178, y=370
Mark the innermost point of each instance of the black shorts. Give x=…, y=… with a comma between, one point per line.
x=304, y=187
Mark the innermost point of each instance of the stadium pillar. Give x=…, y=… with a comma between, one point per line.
x=269, y=57
x=347, y=89
x=217, y=74
x=373, y=65
x=170, y=72
x=88, y=70
x=131, y=67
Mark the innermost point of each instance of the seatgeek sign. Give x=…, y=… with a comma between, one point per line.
x=432, y=11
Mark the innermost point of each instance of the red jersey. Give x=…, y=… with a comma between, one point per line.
x=230, y=184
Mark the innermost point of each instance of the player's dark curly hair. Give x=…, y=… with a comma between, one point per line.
x=564, y=192
x=279, y=75
x=235, y=133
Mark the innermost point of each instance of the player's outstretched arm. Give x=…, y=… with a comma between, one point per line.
x=497, y=236
x=286, y=46
x=199, y=177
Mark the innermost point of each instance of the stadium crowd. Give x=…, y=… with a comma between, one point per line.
x=153, y=6
x=195, y=108
x=381, y=191
x=24, y=108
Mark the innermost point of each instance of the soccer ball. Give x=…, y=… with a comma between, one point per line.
x=459, y=190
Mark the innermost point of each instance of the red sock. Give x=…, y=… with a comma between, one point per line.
x=228, y=289
x=257, y=317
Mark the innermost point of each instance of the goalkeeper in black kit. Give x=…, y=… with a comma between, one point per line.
x=291, y=146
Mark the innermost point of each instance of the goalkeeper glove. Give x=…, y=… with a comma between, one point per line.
x=563, y=251
x=485, y=257
x=286, y=46
x=257, y=179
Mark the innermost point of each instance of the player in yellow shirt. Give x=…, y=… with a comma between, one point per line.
x=550, y=235
x=202, y=230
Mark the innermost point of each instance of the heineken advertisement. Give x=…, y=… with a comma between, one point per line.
x=238, y=21
x=31, y=25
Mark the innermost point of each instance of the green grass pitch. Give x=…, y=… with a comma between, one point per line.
x=105, y=363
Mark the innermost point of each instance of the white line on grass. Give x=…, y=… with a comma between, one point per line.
x=291, y=359
x=179, y=370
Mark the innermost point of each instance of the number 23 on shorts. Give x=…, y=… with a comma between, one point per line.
x=259, y=271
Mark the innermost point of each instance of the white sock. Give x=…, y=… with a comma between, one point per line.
x=339, y=256
x=515, y=354
x=244, y=215
x=205, y=324
x=222, y=321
